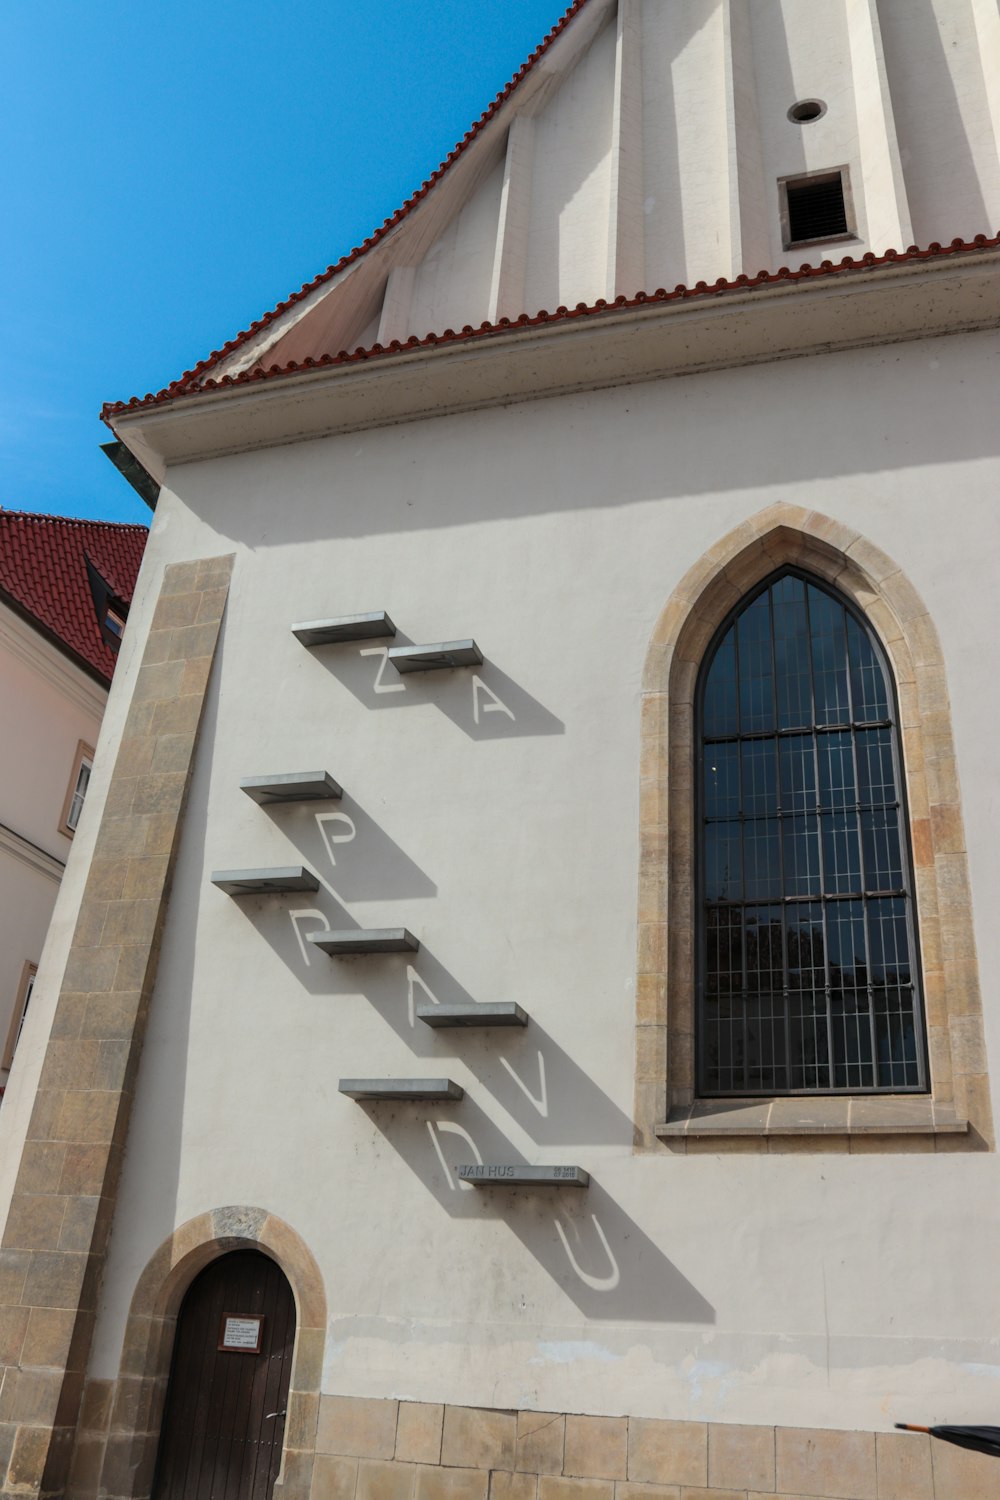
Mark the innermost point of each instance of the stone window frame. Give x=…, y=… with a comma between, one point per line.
x=957, y=1114
x=118, y=1434
x=84, y=756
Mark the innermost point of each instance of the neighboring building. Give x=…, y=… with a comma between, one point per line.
x=714, y=816
x=65, y=589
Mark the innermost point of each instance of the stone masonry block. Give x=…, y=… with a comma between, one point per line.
x=54, y=1279
x=34, y=1222
x=740, y=1457
x=541, y=1438
x=504, y=1486
x=48, y=1337
x=661, y=1452
x=356, y=1427
x=960, y=1474
x=450, y=1484
x=596, y=1447
x=334, y=1478
x=552, y=1488
x=418, y=1432
x=384, y=1480
x=816, y=1461
x=626, y=1490
x=478, y=1438
x=903, y=1460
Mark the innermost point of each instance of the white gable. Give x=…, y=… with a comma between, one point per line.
x=645, y=148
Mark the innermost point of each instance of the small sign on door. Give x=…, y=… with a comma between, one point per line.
x=242, y=1333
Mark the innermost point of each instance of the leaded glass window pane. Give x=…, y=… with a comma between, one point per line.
x=808, y=981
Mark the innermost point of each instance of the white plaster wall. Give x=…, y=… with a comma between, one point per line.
x=946, y=136
x=804, y=53
x=816, y=1289
x=684, y=143
x=571, y=185
x=452, y=284
x=49, y=706
x=45, y=717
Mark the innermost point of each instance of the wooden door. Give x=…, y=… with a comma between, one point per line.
x=224, y=1419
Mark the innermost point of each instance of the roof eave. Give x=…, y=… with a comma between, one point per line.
x=886, y=303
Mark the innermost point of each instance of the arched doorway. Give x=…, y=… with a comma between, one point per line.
x=224, y=1419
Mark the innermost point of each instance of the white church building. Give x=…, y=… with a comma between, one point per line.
x=518, y=1024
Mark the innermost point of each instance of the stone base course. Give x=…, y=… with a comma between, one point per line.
x=367, y=1450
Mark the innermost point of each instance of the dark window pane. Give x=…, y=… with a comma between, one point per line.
x=841, y=854
x=723, y=881
x=800, y=841
x=896, y=1038
x=836, y=769
x=851, y=1039
x=888, y=942
x=761, y=860
x=766, y=1061
x=808, y=976
x=764, y=949
x=720, y=689
x=760, y=778
x=876, y=773
x=798, y=773
x=883, y=865
x=846, y=950
x=806, y=947
x=756, y=668
x=724, y=967
x=791, y=653
x=807, y=1025
x=867, y=678
x=722, y=780
x=829, y=653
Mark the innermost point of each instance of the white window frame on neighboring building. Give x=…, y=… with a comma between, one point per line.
x=76, y=790
x=24, y=989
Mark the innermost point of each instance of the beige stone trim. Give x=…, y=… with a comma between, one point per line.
x=665, y=1020
x=119, y=1430
x=374, y=1449
x=56, y=1236
x=622, y=1458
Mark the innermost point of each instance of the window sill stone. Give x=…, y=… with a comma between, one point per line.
x=875, y=1114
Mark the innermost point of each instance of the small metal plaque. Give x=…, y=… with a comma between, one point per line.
x=242, y=1333
x=494, y=1175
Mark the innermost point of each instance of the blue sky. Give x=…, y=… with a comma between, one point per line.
x=171, y=171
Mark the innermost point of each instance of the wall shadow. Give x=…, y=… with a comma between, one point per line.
x=604, y=1262
x=525, y=1069
x=352, y=854
x=484, y=702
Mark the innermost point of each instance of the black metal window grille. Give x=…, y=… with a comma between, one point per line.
x=808, y=973
x=816, y=208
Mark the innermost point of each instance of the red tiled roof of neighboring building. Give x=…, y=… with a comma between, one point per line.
x=189, y=387
x=43, y=576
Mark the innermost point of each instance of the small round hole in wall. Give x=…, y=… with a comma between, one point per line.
x=806, y=111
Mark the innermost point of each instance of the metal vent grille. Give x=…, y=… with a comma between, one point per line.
x=816, y=209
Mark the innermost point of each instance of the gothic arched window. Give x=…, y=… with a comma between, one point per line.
x=808, y=974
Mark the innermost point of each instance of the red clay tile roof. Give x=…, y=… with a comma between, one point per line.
x=43, y=576
x=189, y=387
